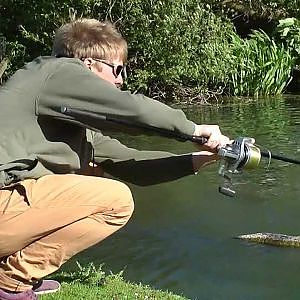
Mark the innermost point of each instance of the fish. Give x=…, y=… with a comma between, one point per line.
x=274, y=239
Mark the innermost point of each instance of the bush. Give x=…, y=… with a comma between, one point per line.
x=259, y=9
x=177, y=47
x=166, y=38
x=288, y=33
x=29, y=32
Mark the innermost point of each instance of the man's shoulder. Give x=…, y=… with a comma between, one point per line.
x=45, y=68
x=53, y=62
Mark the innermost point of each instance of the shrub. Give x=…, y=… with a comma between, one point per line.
x=288, y=33
x=177, y=47
x=166, y=38
x=260, y=9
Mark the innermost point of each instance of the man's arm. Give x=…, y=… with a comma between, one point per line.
x=72, y=85
x=145, y=167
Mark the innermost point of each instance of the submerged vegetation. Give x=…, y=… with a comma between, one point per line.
x=180, y=48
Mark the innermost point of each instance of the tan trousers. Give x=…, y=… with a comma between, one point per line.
x=44, y=222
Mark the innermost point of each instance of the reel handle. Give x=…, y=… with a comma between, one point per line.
x=234, y=158
x=227, y=191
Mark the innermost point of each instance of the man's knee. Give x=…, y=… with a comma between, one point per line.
x=126, y=200
x=119, y=205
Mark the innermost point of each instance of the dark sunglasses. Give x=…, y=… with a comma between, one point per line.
x=117, y=69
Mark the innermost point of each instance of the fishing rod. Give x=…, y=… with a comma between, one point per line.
x=240, y=154
x=163, y=132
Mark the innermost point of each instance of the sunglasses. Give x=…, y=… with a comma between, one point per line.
x=117, y=69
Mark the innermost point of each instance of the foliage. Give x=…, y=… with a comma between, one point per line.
x=166, y=38
x=288, y=32
x=248, y=67
x=258, y=9
x=259, y=66
x=172, y=44
x=29, y=32
x=178, y=47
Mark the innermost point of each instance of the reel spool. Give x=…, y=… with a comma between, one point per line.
x=239, y=155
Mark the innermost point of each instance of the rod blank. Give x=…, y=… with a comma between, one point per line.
x=279, y=157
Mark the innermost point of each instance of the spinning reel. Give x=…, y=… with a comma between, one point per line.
x=239, y=155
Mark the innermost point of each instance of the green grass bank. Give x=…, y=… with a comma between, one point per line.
x=92, y=283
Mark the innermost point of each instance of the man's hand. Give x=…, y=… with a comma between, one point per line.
x=216, y=139
x=202, y=159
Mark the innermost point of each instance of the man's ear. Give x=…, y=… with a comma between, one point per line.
x=88, y=62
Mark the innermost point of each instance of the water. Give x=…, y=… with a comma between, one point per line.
x=181, y=235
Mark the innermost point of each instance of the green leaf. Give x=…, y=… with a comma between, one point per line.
x=287, y=22
x=285, y=31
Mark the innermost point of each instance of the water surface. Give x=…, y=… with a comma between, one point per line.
x=181, y=235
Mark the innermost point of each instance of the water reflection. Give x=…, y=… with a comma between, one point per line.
x=181, y=235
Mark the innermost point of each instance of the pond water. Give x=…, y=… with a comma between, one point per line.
x=181, y=235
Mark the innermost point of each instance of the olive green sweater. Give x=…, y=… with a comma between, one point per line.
x=37, y=139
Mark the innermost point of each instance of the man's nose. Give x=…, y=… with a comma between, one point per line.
x=119, y=81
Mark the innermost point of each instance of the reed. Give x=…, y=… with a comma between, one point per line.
x=259, y=66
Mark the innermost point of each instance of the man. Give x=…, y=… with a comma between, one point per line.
x=49, y=212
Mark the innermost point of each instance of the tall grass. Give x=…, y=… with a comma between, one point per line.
x=259, y=66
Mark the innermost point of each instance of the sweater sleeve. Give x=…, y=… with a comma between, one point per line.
x=73, y=85
x=139, y=167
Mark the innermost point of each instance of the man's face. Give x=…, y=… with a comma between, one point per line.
x=109, y=70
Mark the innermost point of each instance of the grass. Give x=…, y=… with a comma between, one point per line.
x=92, y=283
x=260, y=67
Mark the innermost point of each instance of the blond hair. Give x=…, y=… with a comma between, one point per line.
x=84, y=38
